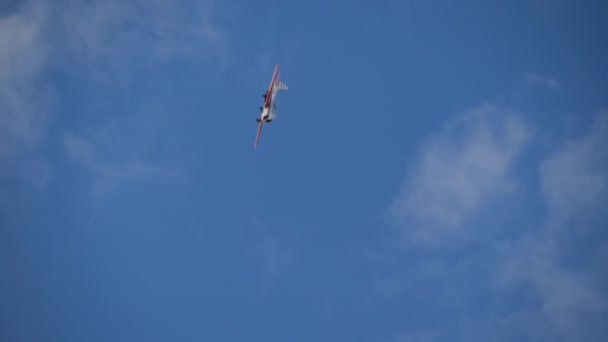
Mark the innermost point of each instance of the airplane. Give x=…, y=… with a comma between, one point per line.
x=269, y=110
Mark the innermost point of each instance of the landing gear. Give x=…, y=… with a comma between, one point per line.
x=266, y=120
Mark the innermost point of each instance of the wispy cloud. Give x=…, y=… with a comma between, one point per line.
x=117, y=35
x=574, y=296
x=108, y=175
x=545, y=279
x=274, y=254
x=276, y=258
x=574, y=179
x=24, y=100
x=110, y=40
x=457, y=171
x=571, y=300
x=540, y=80
x=106, y=39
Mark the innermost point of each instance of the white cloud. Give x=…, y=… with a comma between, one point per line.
x=106, y=39
x=24, y=101
x=574, y=188
x=108, y=175
x=117, y=36
x=457, y=171
x=569, y=297
x=543, y=81
x=575, y=178
x=117, y=42
x=273, y=254
x=276, y=258
x=545, y=280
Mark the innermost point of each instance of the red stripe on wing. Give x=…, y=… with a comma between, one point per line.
x=271, y=86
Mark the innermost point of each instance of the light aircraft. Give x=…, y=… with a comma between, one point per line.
x=269, y=110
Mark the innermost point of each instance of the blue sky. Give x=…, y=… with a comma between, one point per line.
x=438, y=171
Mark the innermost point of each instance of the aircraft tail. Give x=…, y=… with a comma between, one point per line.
x=281, y=86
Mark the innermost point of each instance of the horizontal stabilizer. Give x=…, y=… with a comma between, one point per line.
x=281, y=86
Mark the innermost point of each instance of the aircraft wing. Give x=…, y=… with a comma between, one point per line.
x=269, y=93
x=272, y=88
x=257, y=137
